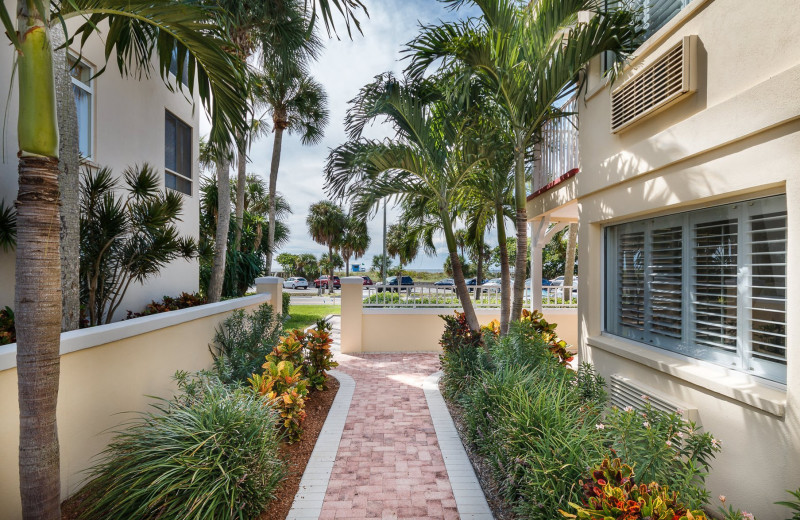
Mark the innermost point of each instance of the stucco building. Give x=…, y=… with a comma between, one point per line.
x=122, y=121
x=685, y=189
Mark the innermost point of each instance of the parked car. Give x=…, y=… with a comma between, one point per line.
x=392, y=284
x=322, y=281
x=295, y=282
x=494, y=283
x=368, y=280
x=447, y=282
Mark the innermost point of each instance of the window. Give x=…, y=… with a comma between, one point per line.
x=710, y=284
x=83, y=90
x=653, y=14
x=177, y=154
x=173, y=66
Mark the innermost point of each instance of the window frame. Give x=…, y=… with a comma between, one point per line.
x=170, y=171
x=744, y=357
x=76, y=60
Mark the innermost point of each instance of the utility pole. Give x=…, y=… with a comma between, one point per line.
x=383, y=269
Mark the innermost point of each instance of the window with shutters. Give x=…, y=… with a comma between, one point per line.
x=83, y=91
x=177, y=154
x=710, y=284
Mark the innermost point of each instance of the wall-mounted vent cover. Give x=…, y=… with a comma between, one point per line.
x=669, y=79
x=624, y=392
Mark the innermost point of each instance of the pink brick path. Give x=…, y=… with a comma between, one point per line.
x=389, y=464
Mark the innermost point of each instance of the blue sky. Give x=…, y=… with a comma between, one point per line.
x=344, y=67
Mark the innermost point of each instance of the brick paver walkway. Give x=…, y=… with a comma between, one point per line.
x=389, y=464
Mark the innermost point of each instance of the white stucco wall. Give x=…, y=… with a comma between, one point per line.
x=737, y=137
x=128, y=130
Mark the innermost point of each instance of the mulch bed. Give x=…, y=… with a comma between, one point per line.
x=491, y=490
x=296, y=455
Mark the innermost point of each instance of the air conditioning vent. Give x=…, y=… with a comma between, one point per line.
x=623, y=393
x=671, y=78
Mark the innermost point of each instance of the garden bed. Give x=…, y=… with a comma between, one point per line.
x=297, y=454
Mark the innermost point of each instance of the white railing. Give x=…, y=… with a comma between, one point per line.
x=483, y=297
x=559, y=147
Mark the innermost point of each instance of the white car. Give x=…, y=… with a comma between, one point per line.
x=295, y=282
x=493, y=283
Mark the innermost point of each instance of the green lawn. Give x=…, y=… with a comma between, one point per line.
x=302, y=316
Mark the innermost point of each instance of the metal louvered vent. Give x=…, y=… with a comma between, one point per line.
x=670, y=78
x=624, y=392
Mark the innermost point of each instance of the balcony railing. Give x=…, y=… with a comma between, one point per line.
x=559, y=154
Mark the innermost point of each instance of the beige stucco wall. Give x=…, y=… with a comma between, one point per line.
x=104, y=371
x=128, y=130
x=737, y=137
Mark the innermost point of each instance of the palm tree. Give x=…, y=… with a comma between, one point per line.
x=326, y=223
x=528, y=55
x=154, y=28
x=298, y=105
x=355, y=241
x=402, y=243
x=429, y=159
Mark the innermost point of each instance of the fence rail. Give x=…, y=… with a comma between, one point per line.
x=483, y=297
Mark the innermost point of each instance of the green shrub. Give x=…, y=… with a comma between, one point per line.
x=210, y=453
x=663, y=448
x=168, y=303
x=537, y=435
x=8, y=332
x=286, y=300
x=242, y=342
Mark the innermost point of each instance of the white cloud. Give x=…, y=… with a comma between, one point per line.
x=344, y=67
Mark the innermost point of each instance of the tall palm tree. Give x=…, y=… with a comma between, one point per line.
x=326, y=223
x=138, y=31
x=299, y=105
x=529, y=55
x=429, y=158
x=355, y=241
x=403, y=243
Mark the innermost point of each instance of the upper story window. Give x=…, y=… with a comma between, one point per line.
x=654, y=14
x=83, y=90
x=173, y=67
x=177, y=154
x=710, y=284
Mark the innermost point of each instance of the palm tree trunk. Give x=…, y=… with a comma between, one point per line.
x=37, y=295
x=520, y=201
x=458, y=273
x=505, y=272
x=223, y=223
x=273, y=186
x=347, y=265
x=241, y=185
x=479, y=274
x=68, y=184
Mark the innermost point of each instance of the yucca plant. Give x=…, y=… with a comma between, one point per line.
x=212, y=453
x=128, y=239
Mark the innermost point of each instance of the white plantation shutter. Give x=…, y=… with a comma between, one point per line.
x=665, y=280
x=658, y=12
x=710, y=284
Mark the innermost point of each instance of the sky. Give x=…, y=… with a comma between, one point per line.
x=343, y=68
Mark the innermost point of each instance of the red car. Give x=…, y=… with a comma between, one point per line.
x=368, y=280
x=322, y=281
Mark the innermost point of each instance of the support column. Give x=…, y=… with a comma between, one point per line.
x=272, y=285
x=538, y=231
x=352, y=314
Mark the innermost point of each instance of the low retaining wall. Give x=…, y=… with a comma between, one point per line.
x=106, y=370
x=416, y=329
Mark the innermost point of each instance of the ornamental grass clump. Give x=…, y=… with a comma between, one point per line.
x=212, y=452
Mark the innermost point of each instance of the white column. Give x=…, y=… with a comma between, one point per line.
x=272, y=285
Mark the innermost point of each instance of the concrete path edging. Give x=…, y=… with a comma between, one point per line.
x=307, y=503
x=467, y=490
